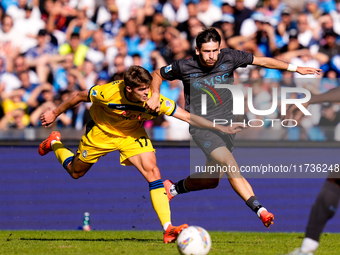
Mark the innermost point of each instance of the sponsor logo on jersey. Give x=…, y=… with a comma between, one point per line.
x=94, y=93
x=168, y=68
x=84, y=154
x=194, y=75
x=217, y=79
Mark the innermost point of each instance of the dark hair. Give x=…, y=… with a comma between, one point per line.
x=207, y=35
x=75, y=35
x=135, y=76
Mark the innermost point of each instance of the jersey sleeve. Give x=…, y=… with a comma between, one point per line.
x=241, y=58
x=94, y=93
x=172, y=72
x=168, y=107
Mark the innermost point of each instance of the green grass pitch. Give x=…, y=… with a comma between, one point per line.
x=150, y=242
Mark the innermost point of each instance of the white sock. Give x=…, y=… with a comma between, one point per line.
x=166, y=225
x=261, y=210
x=173, y=190
x=309, y=245
x=52, y=142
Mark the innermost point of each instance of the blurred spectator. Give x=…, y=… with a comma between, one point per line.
x=119, y=67
x=111, y=28
x=75, y=80
x=329, y=81
x=176, y=47
x=241, y=13
x=252, y=24
x=76, y=47
x=313, y=13
x=227, y=8
x=144, y=47
x=9, y=40
x=329, y=116
x=14, y=101
x=261, y=38
x=137, y=60
x=183, y=27
x=57, y=15
x=89, y=74
x=28, y=88
x=329, y=47
x=208, y=13
x=274, y=10
x=60, y=73
x=336, y=17
x=122, y=50
x=195, y=26
x=326, y=6
x=305, y=34
x=293, y=43
x=286, y=25
x=83, y=26
x=102, y=13
x=88, y=5
x=11, y=79
x=131, y=36
x=175, y=11
x=325, y=23
x=15, y=119
x=28, y=27
x=17, y=9
x=101, y=52
x=226, y=24
x=41, y=56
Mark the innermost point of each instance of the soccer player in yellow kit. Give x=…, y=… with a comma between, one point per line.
x=118, y=114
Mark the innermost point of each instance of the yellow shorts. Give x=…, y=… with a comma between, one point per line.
x=97, y=143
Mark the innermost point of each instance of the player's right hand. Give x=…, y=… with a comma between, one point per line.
x=153, y=104
x=47, y=118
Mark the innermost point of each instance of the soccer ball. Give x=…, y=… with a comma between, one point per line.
x=194, y=240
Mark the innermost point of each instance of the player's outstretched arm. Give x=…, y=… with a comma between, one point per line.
x=153, y=104
x=49, y=116
x=332, y=95
x=278, y=64
x=201, y=122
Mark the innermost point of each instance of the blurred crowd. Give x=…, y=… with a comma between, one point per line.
x=50, y=49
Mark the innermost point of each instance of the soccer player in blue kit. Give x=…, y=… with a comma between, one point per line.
x=212, y=65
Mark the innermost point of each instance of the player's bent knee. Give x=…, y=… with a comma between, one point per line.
x=77, y=175
x=152, y=173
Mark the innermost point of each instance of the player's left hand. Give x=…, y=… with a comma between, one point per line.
x=308, y=70
x=295, y=113
x=47, y=118
x=153, y=104
x=235, y=128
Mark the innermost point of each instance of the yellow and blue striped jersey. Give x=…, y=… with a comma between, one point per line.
x=114, y=113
